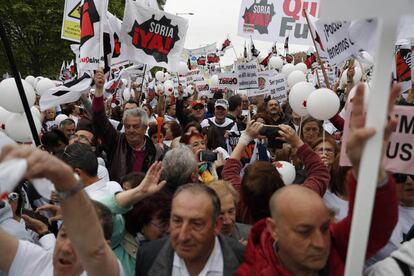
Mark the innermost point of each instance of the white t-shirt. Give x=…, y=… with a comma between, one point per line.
x=102, y=189
x=213, y=267
x=206, y=123
x=32, y=259
x=337, y=204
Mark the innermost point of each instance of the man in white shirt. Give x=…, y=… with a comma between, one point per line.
x=84, y=163
x=195, y=246
x=81, y=247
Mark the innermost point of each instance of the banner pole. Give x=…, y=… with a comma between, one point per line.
x=325, y=76
x=19, y=84
x=142, y=84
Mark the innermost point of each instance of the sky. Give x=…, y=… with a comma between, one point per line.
x=212, y=21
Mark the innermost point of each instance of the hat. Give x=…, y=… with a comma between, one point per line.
x=221, y=102
x=197, y=102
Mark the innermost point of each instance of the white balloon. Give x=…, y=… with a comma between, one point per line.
x=10, y=97
x=353, y=91
x=59, y=118
x=287, y=171
x=36, y=80
x=167, y=76
x=35, y=111
x=44, y=85
x=302, y=67
x=159, y=75
x=168, y=87
x=322, y=104
x=190, y=89
x=295, y=77
x=182, y=68
x=275, y=63
x=214, y=80
x=160, y=87
x=298, y=96
x=4, y=115
x=30, y=79
x=17, y=127
x=287, y=69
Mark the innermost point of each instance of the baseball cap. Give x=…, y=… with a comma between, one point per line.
x=221, y=102
x=196, y=103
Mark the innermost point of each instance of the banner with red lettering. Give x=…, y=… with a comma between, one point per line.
x=272, y=20
x=152, y=36
x=399, y=154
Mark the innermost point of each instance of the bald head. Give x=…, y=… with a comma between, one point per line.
x=294, y=200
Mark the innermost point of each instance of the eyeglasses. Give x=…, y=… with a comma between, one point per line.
x=327, y=150
x=198, y=107
x=13, y=196
x=402, y=178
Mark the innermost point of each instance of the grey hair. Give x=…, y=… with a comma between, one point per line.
x=198, y=188
x=67, y=122
x=137, y=112
x=178, y=165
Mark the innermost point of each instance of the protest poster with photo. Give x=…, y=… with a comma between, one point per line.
x=152, y=36
x=228, y=80
x=71, y=21
x=399, y=154
x=403, y=65
x=247, y=75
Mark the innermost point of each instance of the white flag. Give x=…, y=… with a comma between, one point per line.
x=66, y=93
x=91, y=41
x=152, y=36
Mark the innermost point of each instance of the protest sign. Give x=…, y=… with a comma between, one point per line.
x=201, y=51
x=228, y=80
x=247, y=75
x=403, y=65
x=272, y=20
x=202, y=86
x=71, y=21
x=399, y=157
x=278, y=87
x=152, y=36
x=93, y=17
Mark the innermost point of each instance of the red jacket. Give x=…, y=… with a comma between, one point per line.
x=260, y=259
x=317, y=178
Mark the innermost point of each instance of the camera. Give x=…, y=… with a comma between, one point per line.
x=208, y=156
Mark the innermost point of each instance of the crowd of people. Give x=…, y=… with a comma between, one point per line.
x=166, y=185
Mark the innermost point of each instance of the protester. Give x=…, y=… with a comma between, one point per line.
x=68, y=127
x=194, y=246
x=81, y=243
x=129, y=151
x=193, y=114
x=311, y=130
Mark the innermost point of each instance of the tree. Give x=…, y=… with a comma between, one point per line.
x=34, y=30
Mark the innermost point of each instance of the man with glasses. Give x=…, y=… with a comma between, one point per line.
x=194, y=114
x=128, y=151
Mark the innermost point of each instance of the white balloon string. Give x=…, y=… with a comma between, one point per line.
x=323, y=141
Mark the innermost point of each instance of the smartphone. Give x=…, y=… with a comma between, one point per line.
x=208, y=156
x=270, y=131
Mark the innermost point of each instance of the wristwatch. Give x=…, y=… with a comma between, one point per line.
x=76, y=188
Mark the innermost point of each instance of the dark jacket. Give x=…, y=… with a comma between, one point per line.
x=121, y=156
x=183, y=117
x=156, y=258
x=261, y=260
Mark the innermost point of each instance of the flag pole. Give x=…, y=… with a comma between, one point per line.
x=19, y=84
x=142, y=84
x=325, y=76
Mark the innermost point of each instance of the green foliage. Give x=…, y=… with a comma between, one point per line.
x=34, y=29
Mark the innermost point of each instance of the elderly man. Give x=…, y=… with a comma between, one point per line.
x=129, y=151
x=300, y=239
x=81, y=246
x=195, y=246
x=68, y=127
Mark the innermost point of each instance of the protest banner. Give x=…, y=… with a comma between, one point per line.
x=403, y=65
x=71, y=21
x=399, y=156
x=202, y=86
x=278, y=87
x=247, y=75
x=91, y=52
x=272, y=20
x=228, y=80
x=152, y=36
x=201, y=51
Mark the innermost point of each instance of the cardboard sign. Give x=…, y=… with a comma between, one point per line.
x=399, y=156
x=228, y=80
x=247, y=75
x=278, y=87
x=71, y=21
x=202, y=86
x=152, y=36
x=403, y=66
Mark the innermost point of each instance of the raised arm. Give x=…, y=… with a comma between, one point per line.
x=80, y=219
x=8, y=250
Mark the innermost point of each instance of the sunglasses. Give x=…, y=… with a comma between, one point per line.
x=198, y=107
x=402, y=178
